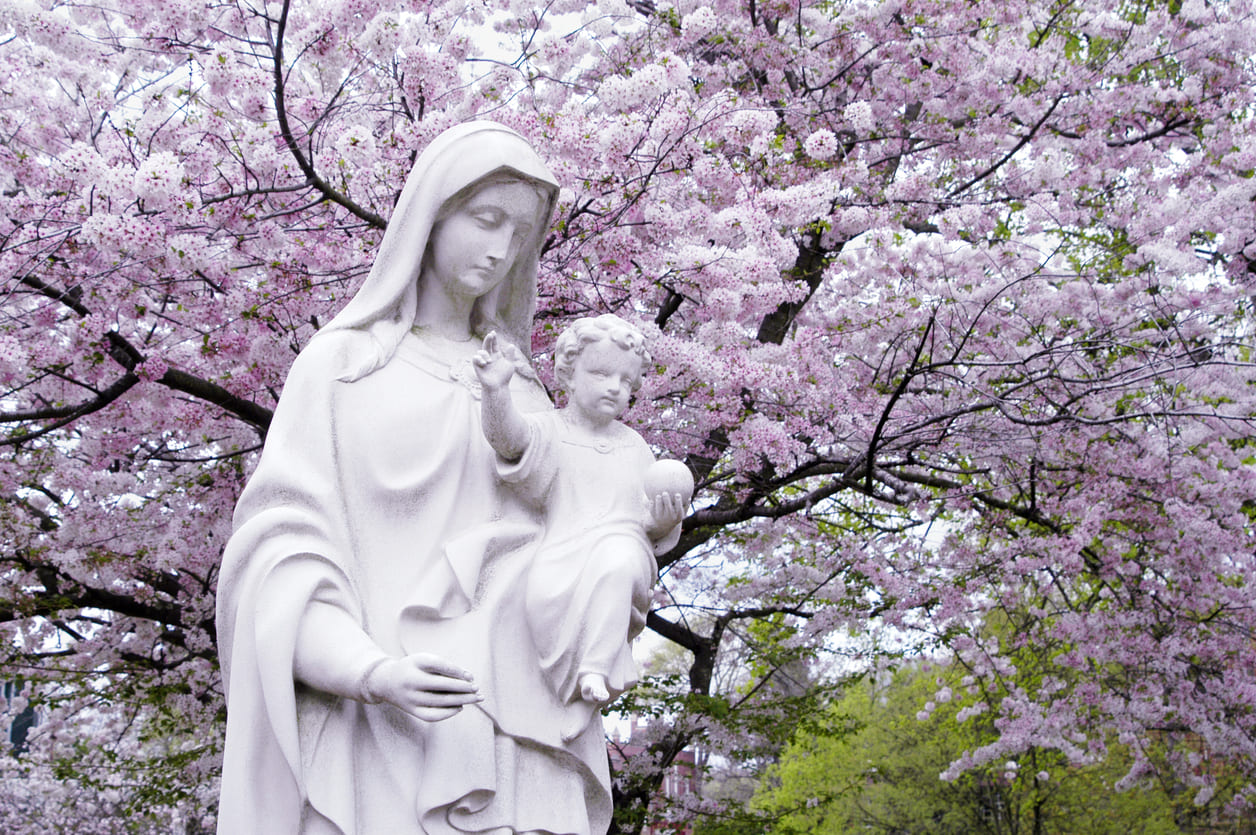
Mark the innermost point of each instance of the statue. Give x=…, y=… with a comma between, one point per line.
x=355, y=706
x=587, y=590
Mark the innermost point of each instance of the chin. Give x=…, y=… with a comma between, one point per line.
x=478, y=282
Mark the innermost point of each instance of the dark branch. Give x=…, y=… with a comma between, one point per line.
x=285, y=130
x=889, y=406
x=1023, y=142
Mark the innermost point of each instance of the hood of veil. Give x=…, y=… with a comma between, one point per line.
x=377, y=318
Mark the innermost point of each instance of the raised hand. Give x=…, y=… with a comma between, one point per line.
x=494, y=366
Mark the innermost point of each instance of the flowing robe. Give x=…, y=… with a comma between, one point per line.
x=360, y=487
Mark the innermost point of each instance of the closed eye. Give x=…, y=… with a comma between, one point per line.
x=489, y=219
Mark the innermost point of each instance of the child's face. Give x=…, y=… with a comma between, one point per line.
x=601, y=380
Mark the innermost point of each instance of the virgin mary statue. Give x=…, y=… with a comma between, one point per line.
x=350, y=710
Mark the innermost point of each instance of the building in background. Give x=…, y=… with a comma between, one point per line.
x=680, y=780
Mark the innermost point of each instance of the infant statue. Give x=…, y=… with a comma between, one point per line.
x=608, y=508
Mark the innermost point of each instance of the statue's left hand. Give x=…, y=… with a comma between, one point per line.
x=423, y=685
x=666, y=512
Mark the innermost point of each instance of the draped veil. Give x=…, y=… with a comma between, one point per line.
x=383, y=309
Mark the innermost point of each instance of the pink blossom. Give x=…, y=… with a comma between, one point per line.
x=821, y=145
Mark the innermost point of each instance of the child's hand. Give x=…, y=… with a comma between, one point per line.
x=493, y=367
x=666, y=512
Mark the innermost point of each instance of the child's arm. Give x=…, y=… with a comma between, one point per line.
x=503, y=426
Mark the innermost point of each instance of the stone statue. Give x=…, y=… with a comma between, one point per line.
x=371, y=687
x=588, y=588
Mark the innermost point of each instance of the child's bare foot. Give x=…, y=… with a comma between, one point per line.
x=593, y=688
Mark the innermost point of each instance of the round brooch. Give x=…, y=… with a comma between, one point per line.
x=463, y=372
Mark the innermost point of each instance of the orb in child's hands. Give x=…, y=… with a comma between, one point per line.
x=668, y=476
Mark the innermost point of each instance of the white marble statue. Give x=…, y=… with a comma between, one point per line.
x=588, y=586
x=352, y=709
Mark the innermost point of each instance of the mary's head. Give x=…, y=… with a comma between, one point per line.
x=462, y=244
x=468, y=268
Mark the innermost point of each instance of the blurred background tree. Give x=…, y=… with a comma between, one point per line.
x=949, y=301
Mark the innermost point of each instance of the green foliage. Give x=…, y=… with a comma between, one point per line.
x=876, y=770
x=731, y=825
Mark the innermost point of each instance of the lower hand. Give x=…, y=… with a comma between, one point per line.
x=423, y=685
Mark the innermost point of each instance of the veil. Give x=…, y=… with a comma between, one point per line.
x=382, y=311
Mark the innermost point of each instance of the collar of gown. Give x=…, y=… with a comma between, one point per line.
x=444, y=359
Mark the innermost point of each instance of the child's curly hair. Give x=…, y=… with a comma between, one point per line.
x=590, y=329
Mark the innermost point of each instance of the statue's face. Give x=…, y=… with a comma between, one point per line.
x=601, y=380
x=473, y=248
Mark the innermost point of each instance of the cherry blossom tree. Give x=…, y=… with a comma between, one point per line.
x=949, y=303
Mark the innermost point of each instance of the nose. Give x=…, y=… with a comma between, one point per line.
x=497, y=247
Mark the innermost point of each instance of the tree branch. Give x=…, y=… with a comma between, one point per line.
x=285, y=130
x=1023, y=142
x=889, y=406
x=246, y=410
x=68, y=414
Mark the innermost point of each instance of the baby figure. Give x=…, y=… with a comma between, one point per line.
x=588, y=587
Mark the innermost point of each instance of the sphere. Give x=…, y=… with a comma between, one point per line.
x=669, y=476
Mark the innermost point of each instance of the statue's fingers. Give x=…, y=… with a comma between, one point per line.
x=438, y=666
x=458, y=687
x=434, y=714
x=442, y=699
